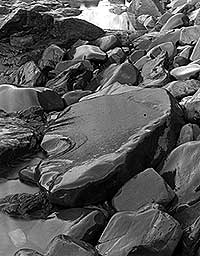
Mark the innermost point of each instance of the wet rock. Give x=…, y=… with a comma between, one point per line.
x=90, y=166
x=17, y=138
x=51, y=56
x=190, y=34
x=189, y=132
x=181, y=172
x=145, y=188
x=192, y=107
x=74, y=96
x=180, y=89
x=26, y=206
x=154, y=73
x=136, y=55
x=15, y=99
x=116, y=55
x=124, y=73
x=185, y=72
x=28, y=75
x=176, y=21
x=195, y=53
x=89, y=52
x=63, y=65
x=145, y=232
x=75, y=77
x=107, y=43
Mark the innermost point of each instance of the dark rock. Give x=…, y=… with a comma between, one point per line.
x=145, y=188
x=141, y=62
x=145, y=232
x=180, y=61
x=14, y=99
x=185, y=72
x=75, y=77
x=26, y=206
x=28, y=75
x=90, y=166
x=51, y=56
x=107, y=43
x=181, y=171
x=192, y=107
x=176, y=21
x=154, y=73
x=189, y=132
x=116, y=55
x=74, y=96
x=124, y=73
x=190, y=34
x=136, y=55
x=180, y=89
x=89, y=52
x=63, y=65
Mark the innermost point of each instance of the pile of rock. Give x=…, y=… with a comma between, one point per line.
x=110, y=124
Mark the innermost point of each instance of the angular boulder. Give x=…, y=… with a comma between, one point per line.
x=192, y=107
x=185, y=72
x=181, y=172
x=145, y=188
x=145, y=232
x=190, y=34
x=105, y=151
x=89, y=52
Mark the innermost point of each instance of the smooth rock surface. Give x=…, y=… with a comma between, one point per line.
x=145, y=188
x=185, y=72
x=146, y=232
x=89, y=52
x=101, y=151
x=189, y=132
x=192, y=107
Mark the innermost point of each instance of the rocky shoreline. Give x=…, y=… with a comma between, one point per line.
x=99, y=131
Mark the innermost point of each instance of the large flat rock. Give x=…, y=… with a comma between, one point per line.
x=103, y=142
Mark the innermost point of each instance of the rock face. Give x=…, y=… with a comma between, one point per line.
x=192, y=107
x=145, y=188
x=153, y=120
x=131, y=233
x=181, y=171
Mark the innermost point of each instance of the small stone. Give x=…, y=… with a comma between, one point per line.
x=27, y=252
x=116, y=55
x=107, y=43
x=145, y=188
x=180, y=61
x=189, y=132
x=155, y=51
x=192, y=107
x=139, y=64
x=186, y=51
x=190, y=35
x=185, y=72
x=176, y=21
x=195, y=53
x=63, y=65
x=136, y=55
x=145, y=232
x=74, y=96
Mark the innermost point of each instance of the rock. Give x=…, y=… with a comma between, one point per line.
x=180, y=89
x=76, y=77
x=124, y=73
x=89, y=166
x=136, y=55
x=62, y=245
x=141, y=62
x=185, y=72
x=189, y=132
x=15, y=99
x=26, y=206
x=180, y=61
x=154, y=73
x=74, y=96
x=195, y=53
x=89, y=52
x=155, y=51
x=181, y=172
x=190, y=34
x=116, y=55
x=107, y=43
x=51, y=56
x=63, y=65
x=17, y=138
x=192, y=107
x=186, y=51
x=28, y=75
x=145, y=232
x=176, y=21
x=145, y=188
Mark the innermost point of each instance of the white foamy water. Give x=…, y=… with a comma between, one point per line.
x=107, y=16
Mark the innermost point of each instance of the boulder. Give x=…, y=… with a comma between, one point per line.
x=107, y=43
x=181, y=172
x=116, y=55
x=137, y=125
x=63, y=65
x=176, y=21
x=14, y=99
x=145, y=232
x=153, y=72
x=155, y=51
x=189, y=132
x=136, y=55
x=89, y=52
x=192, y=107
x=51, y=56
x=76, y=77
x=145, y=188
x=180, y=89
x=190, y=34
x=186, y=51
x=74, y=96
x=185, y=72
x=180, y=61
